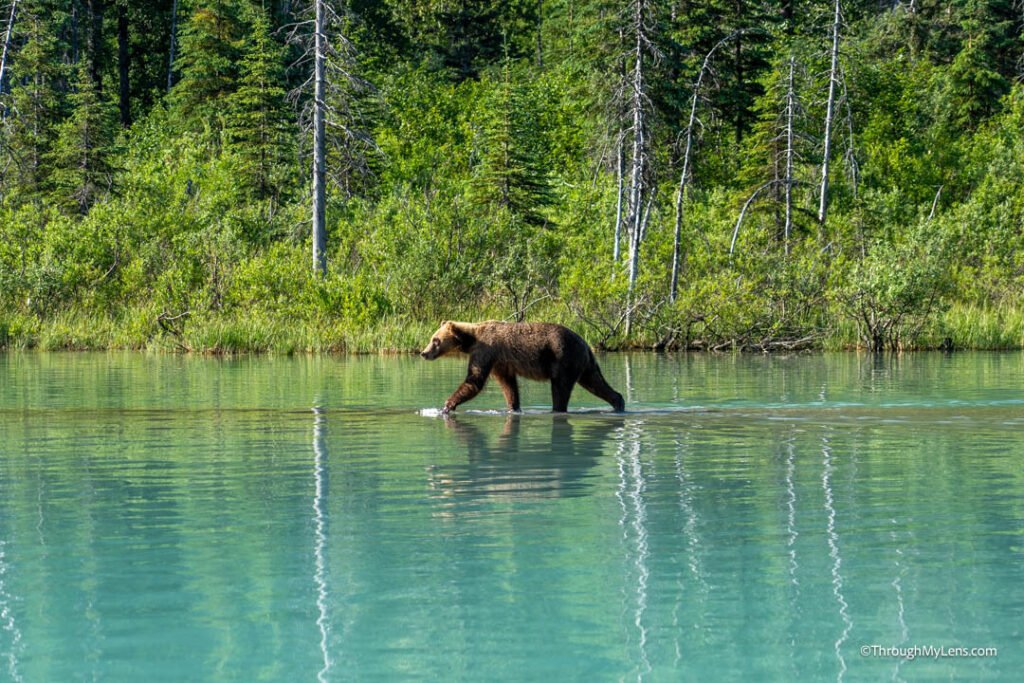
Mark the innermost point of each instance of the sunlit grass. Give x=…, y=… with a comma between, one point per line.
x=975, y=327
x=963, y=326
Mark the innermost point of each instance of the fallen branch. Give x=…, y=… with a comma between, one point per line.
x=800, y=344
x=165, y=320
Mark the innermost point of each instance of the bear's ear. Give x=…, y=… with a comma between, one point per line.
x=463, y=337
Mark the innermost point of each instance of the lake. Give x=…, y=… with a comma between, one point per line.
x=173, y=518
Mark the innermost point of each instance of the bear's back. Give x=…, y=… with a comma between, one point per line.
x=534, y=350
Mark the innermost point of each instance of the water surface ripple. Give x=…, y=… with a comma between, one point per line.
x=286, y=519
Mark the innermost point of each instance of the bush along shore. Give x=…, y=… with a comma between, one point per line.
x=721, y=176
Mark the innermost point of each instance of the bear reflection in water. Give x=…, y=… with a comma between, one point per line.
x=528, y=459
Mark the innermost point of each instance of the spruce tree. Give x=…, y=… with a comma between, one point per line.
x=974, y=82
x=210, y=45
x=257, y=125
x=740, y=65
x=82, y=155
x=511, y=173
x=464, y=37
x=32, y=107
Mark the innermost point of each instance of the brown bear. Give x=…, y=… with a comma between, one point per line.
x=539, y=351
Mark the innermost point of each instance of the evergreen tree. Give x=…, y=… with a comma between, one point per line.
x=33, y=107
x=779, y=147
x=257, y=124
x=82, y=156
x=974, y=82
x=210, y=50
x=740, y=66
x=149, y=44
x=464, y=37
x=511, y=173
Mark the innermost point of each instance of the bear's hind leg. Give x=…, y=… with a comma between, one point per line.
x=594, y=382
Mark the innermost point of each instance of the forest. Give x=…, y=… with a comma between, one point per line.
x=329, y=175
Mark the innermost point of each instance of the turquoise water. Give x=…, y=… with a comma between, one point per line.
x=170, y=518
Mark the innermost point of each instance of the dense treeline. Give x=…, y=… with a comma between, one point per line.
x=760, y=174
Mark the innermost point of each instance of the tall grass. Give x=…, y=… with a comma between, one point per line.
x=843, y=335
x=964, y=326
x=974, y=327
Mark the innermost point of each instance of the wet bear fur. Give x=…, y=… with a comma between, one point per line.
x=506, y=351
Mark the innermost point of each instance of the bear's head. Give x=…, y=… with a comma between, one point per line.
x=450, y=337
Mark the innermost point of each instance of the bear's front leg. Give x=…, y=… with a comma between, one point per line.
x=469, y=388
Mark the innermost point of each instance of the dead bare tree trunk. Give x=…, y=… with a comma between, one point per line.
x=935, y=203
x=7, y=43
x=684, y=177
x=620, y=159
x=639, y=160
x=329, y=115
x=833, y=79
x=319, y=146
x=640, y=183
x=743, y=212
x=620, y=154
x=174, y=40
x=790, y=113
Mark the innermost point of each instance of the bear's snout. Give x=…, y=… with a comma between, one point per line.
x=432, y=351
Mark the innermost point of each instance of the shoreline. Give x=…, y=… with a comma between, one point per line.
x=961, y=327
x=712, y=350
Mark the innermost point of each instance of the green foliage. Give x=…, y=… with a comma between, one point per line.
x=32, y=109
x=893, y=291
x=973, y=84
x=81, y=160
x=510, y=174
x=211, y=46
x=464, y=37
x=257, y=124
x=490, y=188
